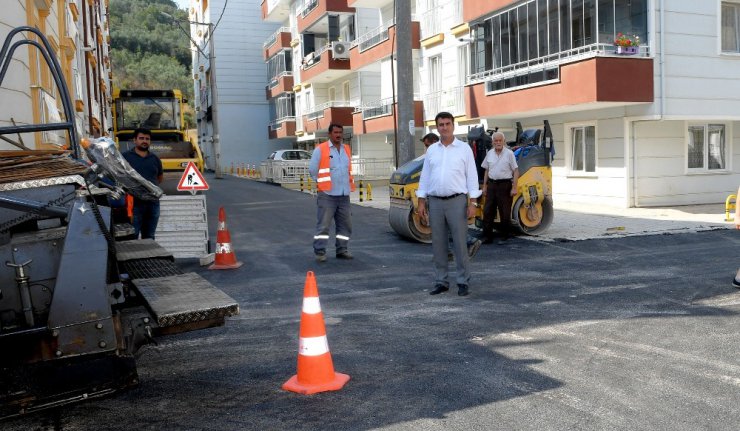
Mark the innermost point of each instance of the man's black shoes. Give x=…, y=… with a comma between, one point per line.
x=473, y=248
x=345, y=255
x=440, y=288
x=462, y=290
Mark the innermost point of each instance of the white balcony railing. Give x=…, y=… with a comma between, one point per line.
x=318, y=112
x=452, y=101
x=278, y=123
x=374, y=37
x=431, y=23
x=549, y=61
x=274, y=37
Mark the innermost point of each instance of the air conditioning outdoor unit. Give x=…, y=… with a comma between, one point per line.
x=340, y=50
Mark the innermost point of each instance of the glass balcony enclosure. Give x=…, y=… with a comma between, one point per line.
x=529, y=39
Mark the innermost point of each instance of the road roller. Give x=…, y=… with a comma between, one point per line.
x=532, y=211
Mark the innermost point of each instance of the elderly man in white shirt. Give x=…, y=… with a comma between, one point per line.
x=501, y=177
x=448, y=179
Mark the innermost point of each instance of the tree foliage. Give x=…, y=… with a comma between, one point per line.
x=148, y=50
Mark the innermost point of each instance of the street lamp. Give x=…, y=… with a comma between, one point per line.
x=212, y=85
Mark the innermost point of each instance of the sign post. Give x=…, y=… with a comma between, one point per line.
x=192, y=180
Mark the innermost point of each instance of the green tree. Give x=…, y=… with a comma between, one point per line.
x=148, y=50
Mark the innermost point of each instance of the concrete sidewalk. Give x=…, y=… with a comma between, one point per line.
x=576, y=221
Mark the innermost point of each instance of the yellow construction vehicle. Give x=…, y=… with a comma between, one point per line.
x=160, y=111
x=532, y=211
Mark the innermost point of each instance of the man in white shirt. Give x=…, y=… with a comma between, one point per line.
x=501, y=177
x=448, y=178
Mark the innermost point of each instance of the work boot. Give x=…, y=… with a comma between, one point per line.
x=345, y=255
x=320, y=257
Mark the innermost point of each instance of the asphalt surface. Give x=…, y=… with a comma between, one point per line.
x=628, y=333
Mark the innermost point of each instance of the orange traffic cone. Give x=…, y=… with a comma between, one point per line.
x=225, y=257
x=315, y=367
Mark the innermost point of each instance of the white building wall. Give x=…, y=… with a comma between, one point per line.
x=243, y=109
x=16, y=86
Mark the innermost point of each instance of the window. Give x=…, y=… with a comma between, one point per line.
x=583, y=149
x=706, y=150
x=332, y=94
x=730, y=27
x=345, y=91
x=435, y=74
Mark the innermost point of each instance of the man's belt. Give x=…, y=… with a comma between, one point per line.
x=444, y=198
x=506, y=180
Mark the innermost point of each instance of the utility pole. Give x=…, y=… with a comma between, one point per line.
x=405, y=84
x=214, y=102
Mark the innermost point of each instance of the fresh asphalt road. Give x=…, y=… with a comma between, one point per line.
x=635, y=333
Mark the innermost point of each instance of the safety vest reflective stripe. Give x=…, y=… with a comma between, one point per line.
x=311, y=305
x=346, y=238
x=313, y=346
x=323, y=179
x=324, y=171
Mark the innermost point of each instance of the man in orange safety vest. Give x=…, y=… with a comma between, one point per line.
x=331, y=168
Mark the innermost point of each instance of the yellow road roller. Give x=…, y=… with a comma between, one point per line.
x=531, y=212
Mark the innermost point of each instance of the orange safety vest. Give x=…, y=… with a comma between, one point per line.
x=323, y=181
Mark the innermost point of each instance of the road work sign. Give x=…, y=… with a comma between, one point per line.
x=192, y=179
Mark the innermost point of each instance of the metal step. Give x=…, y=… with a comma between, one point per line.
x=185, y=299
x=183, y=225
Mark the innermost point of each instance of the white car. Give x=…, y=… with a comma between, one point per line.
x=286, y=166
x=289, y=155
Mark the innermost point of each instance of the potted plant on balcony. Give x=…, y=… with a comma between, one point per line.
x=627, y=45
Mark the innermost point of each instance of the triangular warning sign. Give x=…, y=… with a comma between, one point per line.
x=192, y=179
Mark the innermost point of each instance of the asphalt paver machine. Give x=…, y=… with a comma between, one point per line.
x=532, y=210
x=76, y=303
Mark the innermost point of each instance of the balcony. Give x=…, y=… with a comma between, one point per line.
x=594, y=82
x=313, y=14
x=377, y=117
x=377, y=44
x=276, y=10
x=277, y=42
x=282, y=83
x=337, y=112
x=281, y=128
x=320, y=67
x=452, y=101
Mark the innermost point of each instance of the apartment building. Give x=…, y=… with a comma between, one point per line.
x=647, y=124
x=79, y=35
x=242, y=109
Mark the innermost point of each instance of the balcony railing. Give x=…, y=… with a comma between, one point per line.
x=431, y=23
x=374, y=37
x=274, y=37
x=306, y=7
x=278, y=123
x=550, y=61
x=319, y=110
x=276, y=79
x=314, y=57
x=294, y=171
x=376, y=108
x=452, y=101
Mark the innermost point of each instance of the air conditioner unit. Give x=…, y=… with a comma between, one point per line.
x=340, y=50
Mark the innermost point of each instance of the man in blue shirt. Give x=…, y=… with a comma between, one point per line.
x=331, y=168
x=148, y=165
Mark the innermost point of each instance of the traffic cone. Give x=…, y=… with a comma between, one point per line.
x=225, y=256
x=315, y=367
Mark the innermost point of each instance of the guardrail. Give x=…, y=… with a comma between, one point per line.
x=273, y=37
x=287, y=172
x=318, y=111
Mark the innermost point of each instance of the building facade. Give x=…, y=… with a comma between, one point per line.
x=239, y=66
x=79, y=35
x=640, y=94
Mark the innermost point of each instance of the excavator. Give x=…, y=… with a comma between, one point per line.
x=532, y=211
x=77, y=302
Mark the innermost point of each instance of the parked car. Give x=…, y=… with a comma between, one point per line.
x=287, y=155
x=286, y=166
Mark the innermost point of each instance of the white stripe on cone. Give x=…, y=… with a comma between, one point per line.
x=311, y=305
x=313, y=346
